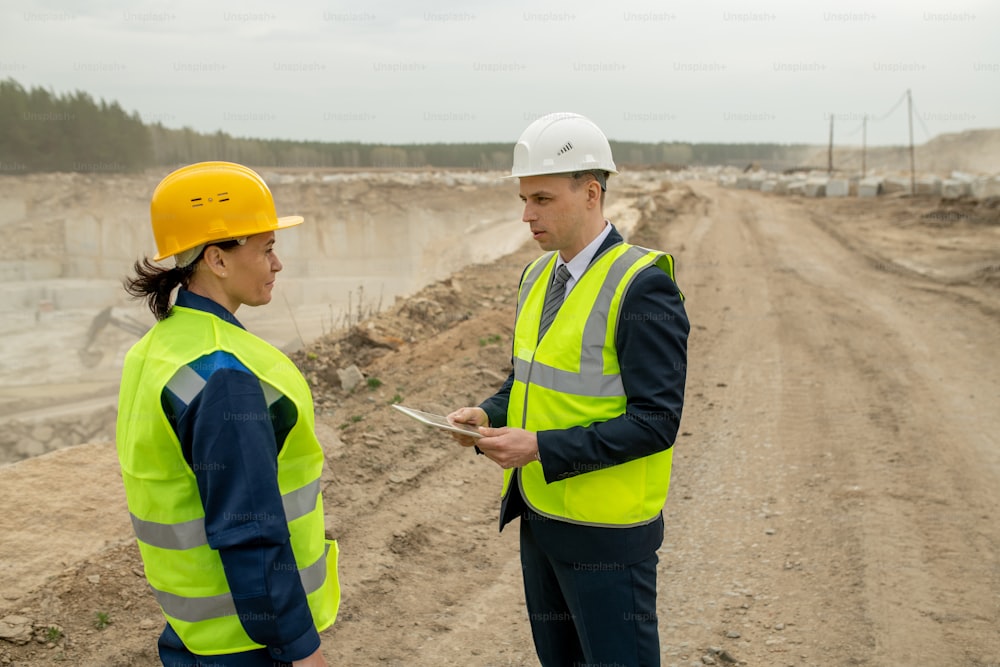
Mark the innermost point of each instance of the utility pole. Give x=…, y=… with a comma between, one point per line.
x=913, y=171
x=864, y=143
x=829, y=151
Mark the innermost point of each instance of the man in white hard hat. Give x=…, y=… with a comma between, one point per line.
x=585, y=424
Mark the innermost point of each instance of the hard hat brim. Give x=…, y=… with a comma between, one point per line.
x=289, y=221
x=611, y=172
x=282, y=223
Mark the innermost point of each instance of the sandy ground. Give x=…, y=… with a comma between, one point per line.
x=835, y=484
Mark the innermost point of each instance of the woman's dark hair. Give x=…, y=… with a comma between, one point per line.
x=155, y=283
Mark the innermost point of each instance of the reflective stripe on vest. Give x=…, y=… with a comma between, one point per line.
x=194, y=610
x=571, y=378
x=591, y=380
x=185, y=573
x=191, y=534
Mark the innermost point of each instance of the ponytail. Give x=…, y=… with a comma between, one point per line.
x=155, y=284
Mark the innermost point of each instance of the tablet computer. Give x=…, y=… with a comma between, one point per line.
x=439, y=421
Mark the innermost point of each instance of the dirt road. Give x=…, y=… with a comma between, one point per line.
x=835, y=487
x=839, y=489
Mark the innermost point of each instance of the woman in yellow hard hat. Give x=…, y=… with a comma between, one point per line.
x=216, y=440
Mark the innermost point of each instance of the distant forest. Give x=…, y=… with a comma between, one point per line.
x=44, y=131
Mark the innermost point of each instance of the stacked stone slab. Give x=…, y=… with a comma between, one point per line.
x=929, y=185
x=870, y=187
x=816, y=187
x=797, y=188
x=820, y=184
x=838, y=187
x=986, y=187
x=952, y=188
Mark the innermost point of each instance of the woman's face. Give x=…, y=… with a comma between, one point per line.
x=251, y=270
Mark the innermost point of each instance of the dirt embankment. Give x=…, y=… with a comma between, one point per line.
x=834, y=482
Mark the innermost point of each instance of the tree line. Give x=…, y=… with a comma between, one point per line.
x=44, y=131
x=41, y=131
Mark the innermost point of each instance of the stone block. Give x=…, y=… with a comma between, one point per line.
x=797, y=188
x=350, y=377
x=838, y=187
x=870, y=187
x=986, y=187
x=929, y=186
x=895, y=184
x=952, y=188
x=815, y=187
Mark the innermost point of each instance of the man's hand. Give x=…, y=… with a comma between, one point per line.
x=471, y=416
x=509, y=447
x=314, y=660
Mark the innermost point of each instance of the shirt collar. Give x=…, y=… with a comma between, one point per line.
x=582, y=260
x=187, y=299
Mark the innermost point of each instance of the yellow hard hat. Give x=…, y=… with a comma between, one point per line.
x=211, y=201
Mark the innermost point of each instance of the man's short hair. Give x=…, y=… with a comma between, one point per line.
x=598, y=175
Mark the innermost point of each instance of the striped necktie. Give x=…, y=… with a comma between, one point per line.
x=553, y=299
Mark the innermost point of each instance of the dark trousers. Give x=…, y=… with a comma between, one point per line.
x=173, y=653
x=589, y=612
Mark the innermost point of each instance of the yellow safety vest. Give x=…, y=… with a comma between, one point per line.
x=572, y=378
x=185, y=573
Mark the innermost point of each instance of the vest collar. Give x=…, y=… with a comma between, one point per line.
x=188, y=299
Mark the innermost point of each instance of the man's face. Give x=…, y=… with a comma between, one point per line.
x=556, y=213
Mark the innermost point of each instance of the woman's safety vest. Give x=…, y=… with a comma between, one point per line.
x=185, y=573
x=572, y=378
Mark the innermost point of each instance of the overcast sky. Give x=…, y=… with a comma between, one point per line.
x=403, y=72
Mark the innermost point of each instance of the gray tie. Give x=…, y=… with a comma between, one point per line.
x=553, y=299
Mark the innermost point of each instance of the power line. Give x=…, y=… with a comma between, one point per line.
x=855, y=130
x=927, y=134
x=888, y=113
x=874, y=119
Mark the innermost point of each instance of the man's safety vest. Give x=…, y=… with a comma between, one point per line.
x=185, y=573
x=572, y=378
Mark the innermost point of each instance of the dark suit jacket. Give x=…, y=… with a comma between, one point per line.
x=651, y=342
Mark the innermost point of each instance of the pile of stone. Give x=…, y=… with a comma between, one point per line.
x=821, y=184
x=25, y=439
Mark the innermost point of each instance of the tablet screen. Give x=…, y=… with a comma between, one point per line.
x=439, y=421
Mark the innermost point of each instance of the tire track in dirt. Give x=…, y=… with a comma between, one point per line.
x=728, y=495
x=924, y=479
x=830, y=434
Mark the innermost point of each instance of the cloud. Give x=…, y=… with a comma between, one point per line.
x=413, y=72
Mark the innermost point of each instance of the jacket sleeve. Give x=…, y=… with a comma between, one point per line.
x=233, y=453
x=495, y=406
x=651, y=341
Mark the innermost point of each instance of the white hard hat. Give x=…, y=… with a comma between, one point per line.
x=562, y=143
